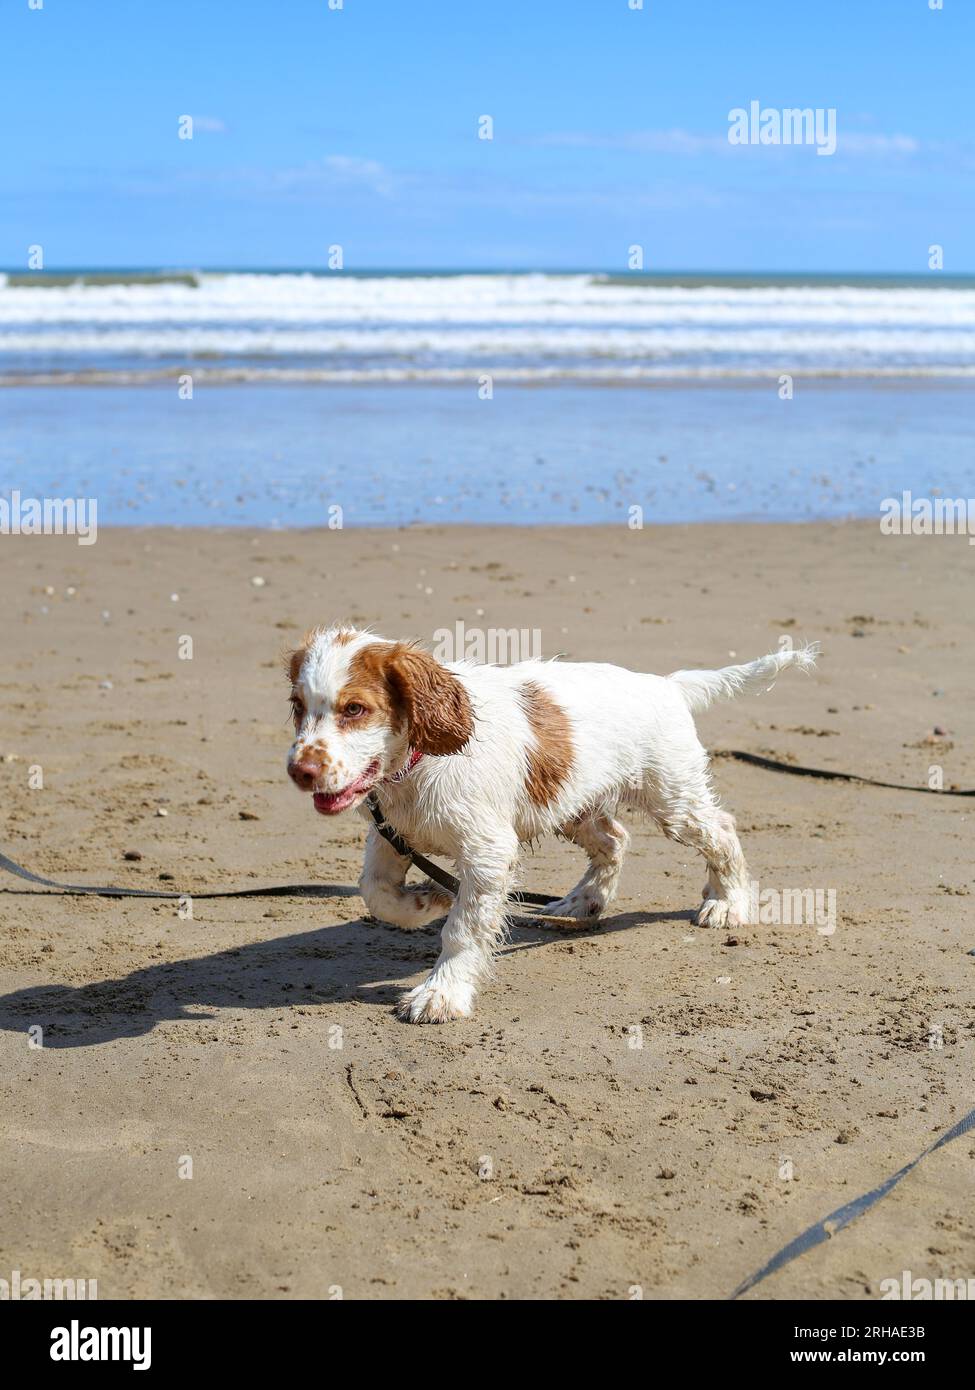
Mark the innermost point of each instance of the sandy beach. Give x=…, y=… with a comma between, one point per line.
x=534, y=1151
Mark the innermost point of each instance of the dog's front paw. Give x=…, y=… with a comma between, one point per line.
x=436, y=1001
x=581, y=905
x=409, y=907
x=723, y=912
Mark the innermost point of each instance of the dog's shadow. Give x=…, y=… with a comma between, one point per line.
x=361, y=960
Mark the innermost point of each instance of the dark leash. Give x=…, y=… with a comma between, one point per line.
x=426, y=866
x=447, y=881
x=281, y=890
x=824, y=1230
x=825, y=774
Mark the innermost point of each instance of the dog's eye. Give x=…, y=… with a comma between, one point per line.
x=298, y=710
x=353, y=711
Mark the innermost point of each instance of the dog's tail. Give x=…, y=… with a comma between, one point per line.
x=700, y=688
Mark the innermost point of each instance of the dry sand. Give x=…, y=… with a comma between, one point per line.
x=333, y=1146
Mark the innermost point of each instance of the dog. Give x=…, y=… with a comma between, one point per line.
x=472, y=762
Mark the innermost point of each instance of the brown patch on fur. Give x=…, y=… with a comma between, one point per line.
x=550, y=761
x=399, y=683
x=314, y=752
x=437, y=706
x=368, y=686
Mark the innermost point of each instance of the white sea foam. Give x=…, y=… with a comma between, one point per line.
x=545, y=324
x=610, y=341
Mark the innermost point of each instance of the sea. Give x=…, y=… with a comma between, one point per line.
x=284, y=398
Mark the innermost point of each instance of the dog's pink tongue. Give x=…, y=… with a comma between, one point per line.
x=330, y=803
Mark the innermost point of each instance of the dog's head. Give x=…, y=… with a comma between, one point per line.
x=360, y=705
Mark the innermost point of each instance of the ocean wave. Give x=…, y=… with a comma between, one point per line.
x=424, y=327
x=508, y=341
x=473, y=299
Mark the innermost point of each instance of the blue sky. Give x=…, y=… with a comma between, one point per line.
x=358, y=126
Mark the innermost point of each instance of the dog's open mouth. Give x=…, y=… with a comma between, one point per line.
x=331, y=803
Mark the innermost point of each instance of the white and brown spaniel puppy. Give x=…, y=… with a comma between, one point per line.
x=472, y=761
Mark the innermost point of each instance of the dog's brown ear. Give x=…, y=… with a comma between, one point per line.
x=438, y=711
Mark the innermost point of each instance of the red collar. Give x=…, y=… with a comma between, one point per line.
x=411, y=762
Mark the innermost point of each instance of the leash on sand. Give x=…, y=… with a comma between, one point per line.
x=298, y=890
x=826, y=774
x=283, y=890
x=827, y=1228
x=439, y=876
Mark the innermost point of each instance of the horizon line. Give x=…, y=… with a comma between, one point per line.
x=616, y=273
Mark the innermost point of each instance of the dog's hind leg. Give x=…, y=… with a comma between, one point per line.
x=678, y=796
x=711, y=831
x=604, y=840
x=386, y=893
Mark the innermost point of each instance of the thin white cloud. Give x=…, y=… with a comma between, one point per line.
x=857, y=142
x=317, y=178
x=370, y=172
x=325, y=175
